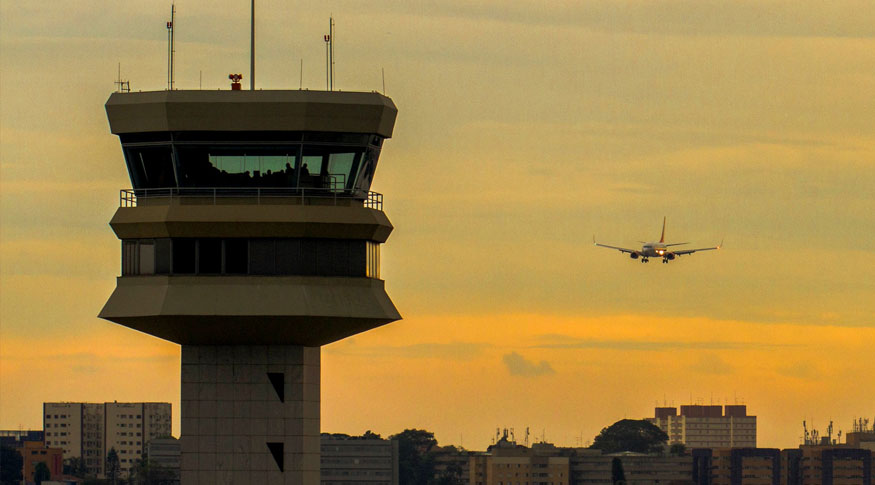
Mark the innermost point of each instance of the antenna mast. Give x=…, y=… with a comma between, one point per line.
x=123, y=86
x=252, y=49
x=331, y=38
x=170, y=49
x=329, y=55
x=327, y=38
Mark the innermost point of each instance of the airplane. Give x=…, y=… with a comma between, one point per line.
x=657, y=249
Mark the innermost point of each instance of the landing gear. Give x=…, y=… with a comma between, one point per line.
x=644, y=260
x=664, y=260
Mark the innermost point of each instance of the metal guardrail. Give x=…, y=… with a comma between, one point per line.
x=130, y=197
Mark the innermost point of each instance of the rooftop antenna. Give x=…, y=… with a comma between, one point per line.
x=170, y=49
x=329, y=55
x=252, y=49
x=327, y=38
x=123, y=86
x=383, y=70
x=302, y=74
x=331, y=43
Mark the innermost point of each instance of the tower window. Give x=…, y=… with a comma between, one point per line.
x=258, y=256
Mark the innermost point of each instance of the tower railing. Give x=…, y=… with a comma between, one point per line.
x=210, y=195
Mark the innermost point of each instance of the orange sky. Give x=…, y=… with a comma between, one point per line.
x=522, y=131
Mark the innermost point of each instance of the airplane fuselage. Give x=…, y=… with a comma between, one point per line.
x=654, y=250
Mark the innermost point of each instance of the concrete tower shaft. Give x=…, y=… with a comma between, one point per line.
x=251, y=238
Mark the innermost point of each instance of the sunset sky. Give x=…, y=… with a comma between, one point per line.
x=524, y=129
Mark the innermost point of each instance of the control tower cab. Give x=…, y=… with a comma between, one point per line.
x=250, y=236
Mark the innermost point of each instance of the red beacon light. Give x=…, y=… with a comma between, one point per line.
x=235, y=81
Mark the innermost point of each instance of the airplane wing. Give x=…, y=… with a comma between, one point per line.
x=622, y=250
x=691, y=251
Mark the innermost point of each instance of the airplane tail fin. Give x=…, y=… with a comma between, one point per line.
x=662, y=238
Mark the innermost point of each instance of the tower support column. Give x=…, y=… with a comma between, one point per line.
x=250, y=414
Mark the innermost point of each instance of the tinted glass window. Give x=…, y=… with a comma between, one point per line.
x=236, y=256
x=151, y=167
x=288, y=256
x=262, y=256
x=183, y=256
x=209, y=256
x=162, y=256
x=147, y=257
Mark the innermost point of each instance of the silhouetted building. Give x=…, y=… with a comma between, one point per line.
x=90, y=430
x=34, y=452
x=861, y=439
x=164, y=458
x=592, y=467
x=708, y=426
x=351, y=460
x=826, y=465
x=506, y=463
x=16, y=438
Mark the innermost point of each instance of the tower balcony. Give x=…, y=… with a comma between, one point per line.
x=332, y=195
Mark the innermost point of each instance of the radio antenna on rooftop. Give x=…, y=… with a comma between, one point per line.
x=123, y=86
x=329, y=55
x=252, y=48
x=170, y=49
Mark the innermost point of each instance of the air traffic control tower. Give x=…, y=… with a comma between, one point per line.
x=251, y=238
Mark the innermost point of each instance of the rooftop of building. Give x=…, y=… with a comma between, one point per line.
x=261, y=110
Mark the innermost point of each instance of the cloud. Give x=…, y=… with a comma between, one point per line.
x=424, y=350
x=558, y=341
x=518, y=365
x=712, y=364
x=800, y=370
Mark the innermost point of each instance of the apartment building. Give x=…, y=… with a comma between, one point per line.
x=90, y=430
x=826, y=465
x=506, y=463
x=351, y=460
x=700, y=426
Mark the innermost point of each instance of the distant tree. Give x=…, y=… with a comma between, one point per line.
x=415, y=462
x=112, y=466
x=639, y=436
x=10, y=466
x=371, y=436
x=678, y=449
x=618, y=476
x=41, y=473
x=75, y=466
x=451, y=476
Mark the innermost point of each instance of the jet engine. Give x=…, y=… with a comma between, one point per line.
x=633, y=255
x=669, y=256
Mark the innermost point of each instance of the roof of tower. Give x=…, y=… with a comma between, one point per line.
x=263, y=110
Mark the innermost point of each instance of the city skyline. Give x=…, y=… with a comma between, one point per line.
x=522, y=131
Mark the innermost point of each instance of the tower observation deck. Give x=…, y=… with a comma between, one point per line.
x=250, y=236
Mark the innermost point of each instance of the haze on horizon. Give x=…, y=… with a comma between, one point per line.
x=522, y=131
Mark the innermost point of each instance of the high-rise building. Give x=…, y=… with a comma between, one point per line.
x=90, y=430
x=251, y=238
x=708, y=426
